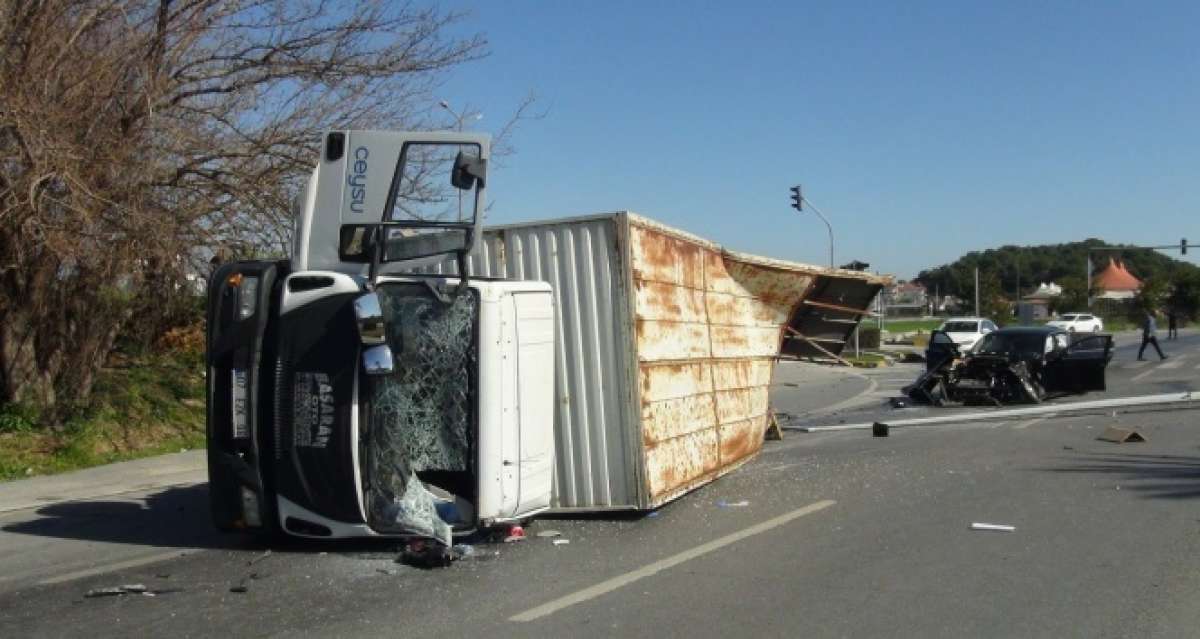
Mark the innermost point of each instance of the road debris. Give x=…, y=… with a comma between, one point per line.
x=515, y=533
x=561, y=542
x=117, y=591
x=732, y=504
x=259, y=558
x=1121, y=435
x=549, y=533
x=426, y=556
x=879, y=430
x=993, y=527
x=898, y=402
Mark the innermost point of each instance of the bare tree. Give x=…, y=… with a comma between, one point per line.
x=134, y=131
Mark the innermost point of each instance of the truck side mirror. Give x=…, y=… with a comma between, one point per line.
x=372, y=332
x=378, y=360
x=467, y=171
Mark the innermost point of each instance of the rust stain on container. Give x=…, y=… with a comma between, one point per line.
x=672, y=380
x=662, y=340
x=681, y=460
x=673, y=418
x=741, y=373
x=741, y=439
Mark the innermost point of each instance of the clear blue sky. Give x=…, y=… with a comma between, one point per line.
x=923, y=130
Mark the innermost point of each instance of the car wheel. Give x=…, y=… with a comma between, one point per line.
x=1070, y=329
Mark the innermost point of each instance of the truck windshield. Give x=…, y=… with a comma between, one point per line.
x=418, y=443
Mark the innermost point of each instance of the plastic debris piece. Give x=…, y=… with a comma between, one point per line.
x=899, y=402
x=561, y=542
x=993, y=527
x=259, y=558
x=653, y=513
x=241, y=589
x=732, y=504
x=515, y=533
x=463, y=551
x=116, y=591
x=549, y=533
x=879, y=430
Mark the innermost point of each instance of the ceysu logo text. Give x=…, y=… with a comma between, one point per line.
x=358, y=180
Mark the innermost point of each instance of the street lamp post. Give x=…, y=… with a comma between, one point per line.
x=798, y=201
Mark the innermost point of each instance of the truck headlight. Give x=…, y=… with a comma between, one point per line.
x=250, y=508
x=247, y=297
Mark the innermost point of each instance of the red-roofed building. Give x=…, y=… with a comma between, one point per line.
x=1115, y=282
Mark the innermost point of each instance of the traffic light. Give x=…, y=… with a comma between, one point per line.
x=797, y=199
x=1183, y=246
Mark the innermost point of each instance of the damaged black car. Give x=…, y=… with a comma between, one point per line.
x=1019, y=365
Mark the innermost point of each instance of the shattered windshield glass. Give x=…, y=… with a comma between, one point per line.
x=418, y=443
x=1028, y=344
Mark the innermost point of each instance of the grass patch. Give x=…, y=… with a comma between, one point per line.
x=867, y=360
x=911, y=325
x=141, y=406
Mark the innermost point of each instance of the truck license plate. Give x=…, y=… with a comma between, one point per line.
x=241, y=427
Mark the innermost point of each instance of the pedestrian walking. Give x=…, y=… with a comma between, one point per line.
x=1149, y=330
x=1172, y=325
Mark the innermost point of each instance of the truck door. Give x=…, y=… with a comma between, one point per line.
x=535, y=398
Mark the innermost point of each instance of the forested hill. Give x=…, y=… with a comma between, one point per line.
x=1047, y=263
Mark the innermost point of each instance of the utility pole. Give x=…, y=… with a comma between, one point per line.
x=977, y=292
x=798, y=201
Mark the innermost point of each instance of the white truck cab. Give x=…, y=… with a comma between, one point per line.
x=348, y=398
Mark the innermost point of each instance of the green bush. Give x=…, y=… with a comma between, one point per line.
x=868, y=336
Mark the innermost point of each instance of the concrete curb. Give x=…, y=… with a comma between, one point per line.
x=147, y=474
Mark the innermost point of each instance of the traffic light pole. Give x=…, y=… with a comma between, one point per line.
x=798, y=201
x=1183, y=247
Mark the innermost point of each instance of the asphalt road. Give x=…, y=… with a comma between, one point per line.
x=840, y=534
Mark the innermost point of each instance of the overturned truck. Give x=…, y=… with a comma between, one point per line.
x=407, y=372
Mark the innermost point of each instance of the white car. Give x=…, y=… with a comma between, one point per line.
x=1078, y=323
x=965, y=331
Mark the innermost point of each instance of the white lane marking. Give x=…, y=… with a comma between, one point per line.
x=120, y=565
x=619, y=581
x=1136, y=364
x=1142, y=374
x=1174, y=363
x=1030, y=422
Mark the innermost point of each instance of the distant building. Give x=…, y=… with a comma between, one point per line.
x=1039, y=300
x=1115, y=282
x=907, y=299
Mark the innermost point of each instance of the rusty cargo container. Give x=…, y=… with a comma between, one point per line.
x=666, y=344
